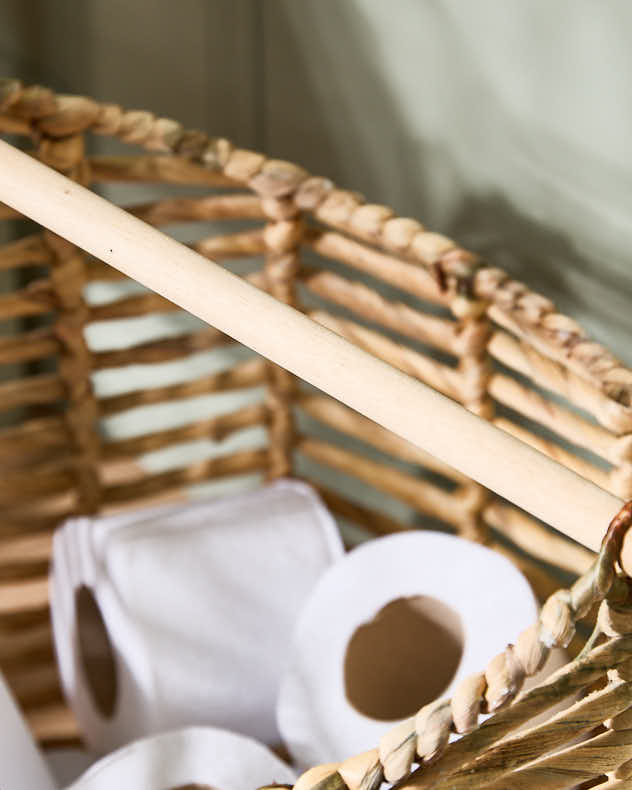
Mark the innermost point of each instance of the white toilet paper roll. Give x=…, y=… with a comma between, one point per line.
x=200, y=756
x=22, y=765
x=181, y=616
x=396, y=623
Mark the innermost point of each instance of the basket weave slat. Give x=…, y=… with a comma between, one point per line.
x=332, y=413
x=37, y=299
x=535, y=539
x=406, y=294
x=553, y=376
x=27, y=251
x=164, y=350
x=244, y=375
x=216, y=428
x=8, y=213
x=131, y=307
x=553, y=450
x=561, y=420
x=424, y=497
x=380, y=265
x=216, y=207
x=441, y=333
x=240, y=463
x=155, y=170
x=28, y=346
x=440, y=377
x=31, y=391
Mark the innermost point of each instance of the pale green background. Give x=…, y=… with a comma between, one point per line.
x=506, y=123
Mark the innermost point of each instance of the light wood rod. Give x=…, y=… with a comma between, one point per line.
x=393, y=399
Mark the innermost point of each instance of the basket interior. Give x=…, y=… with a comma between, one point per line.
x=112, y=397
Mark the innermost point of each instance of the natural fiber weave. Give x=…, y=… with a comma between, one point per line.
x=406, y=294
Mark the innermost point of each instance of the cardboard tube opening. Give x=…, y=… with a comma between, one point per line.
x=404, y=658
x=95, y=653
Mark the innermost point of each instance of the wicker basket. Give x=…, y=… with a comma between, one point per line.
x=406, y=295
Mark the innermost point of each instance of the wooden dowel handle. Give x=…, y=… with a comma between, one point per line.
x=396, y=401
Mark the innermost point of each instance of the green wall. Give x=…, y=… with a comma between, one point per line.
x=506, y=123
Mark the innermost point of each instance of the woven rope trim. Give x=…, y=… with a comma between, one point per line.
x=422, y=738
x=39, y=111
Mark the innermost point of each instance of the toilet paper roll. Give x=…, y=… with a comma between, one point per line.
x=22, y=765
x=181, y=616
x=199, y=756
x=395, y=624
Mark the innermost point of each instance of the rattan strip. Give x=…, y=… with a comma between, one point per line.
x=617, y=481
x=27, y=520
x=537, y=540
x=23, y=596
x=30, y=437
x=405, y=276
x=575, y=429
x=205, y=209
x=244, y=375
x=241, y=463
x=50, y=477
x=333, y=413
x=155, y=170
x=75, y=360
x=31, y=391
x=228, y=247
x=28, y=346
x=500, y=761
x=572, y=766
x=371, y=520
x=282, y=238
x=221, y=247
x=456, y=338
x=27, y=251
x=35, y=686
x=36, y=299
x=584, y=468
x=29, y=645
x=27, y=569
x=215, y=428
x=6, y=212
x=131, y=307
x=535, y=319
x=24, y=555
x=555, y=377
x=50, y=457
x=246, y=244
x=163, y=350
x=448, y=381
x=53, y=725
x=10, y=125
x=366, y=771
x=98, y=271
x=454, y=509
